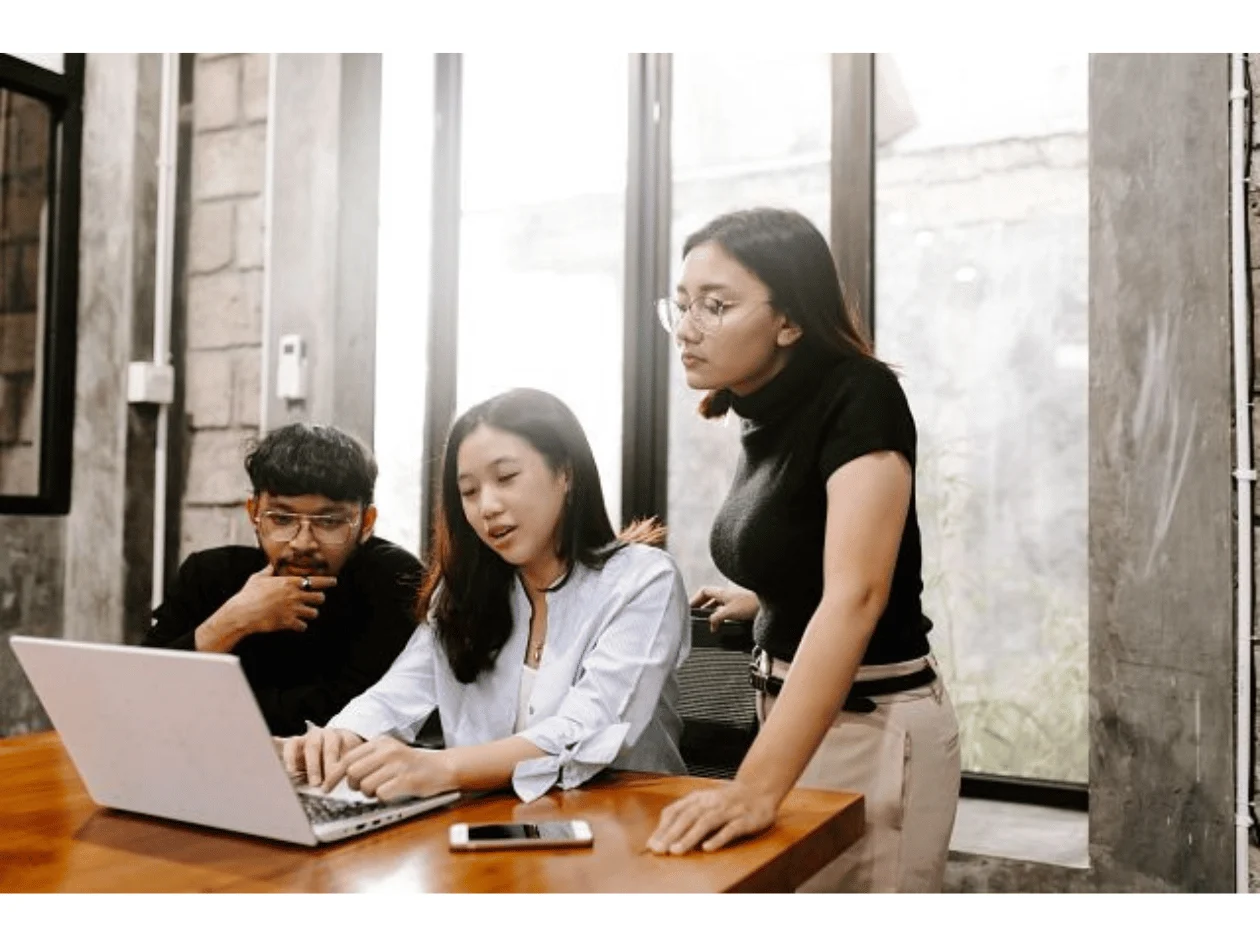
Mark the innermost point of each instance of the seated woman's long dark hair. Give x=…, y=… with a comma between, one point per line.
x=472, y=616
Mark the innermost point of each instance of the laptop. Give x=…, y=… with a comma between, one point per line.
x=179, y=735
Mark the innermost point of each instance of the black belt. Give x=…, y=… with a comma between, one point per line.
x=860, y=693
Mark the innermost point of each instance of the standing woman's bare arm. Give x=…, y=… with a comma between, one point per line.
x=867, y=502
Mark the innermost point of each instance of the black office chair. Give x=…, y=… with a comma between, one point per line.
x=716, y=701
x=430, y=734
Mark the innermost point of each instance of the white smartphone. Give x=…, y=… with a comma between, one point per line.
x=481, y=837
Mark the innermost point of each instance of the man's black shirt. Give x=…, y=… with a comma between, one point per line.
x=362, y=625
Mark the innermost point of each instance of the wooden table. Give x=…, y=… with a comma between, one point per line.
x=54, y=838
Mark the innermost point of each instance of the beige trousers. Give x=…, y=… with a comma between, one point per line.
x=903, y=758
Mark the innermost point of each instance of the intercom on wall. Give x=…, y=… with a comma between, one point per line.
x=291, y=368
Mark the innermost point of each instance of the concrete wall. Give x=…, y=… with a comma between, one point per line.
x=115, y=289
x=1161, y=635
x=31, y=584
x=138, y=459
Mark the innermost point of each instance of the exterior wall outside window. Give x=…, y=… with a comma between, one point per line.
x=982, y=223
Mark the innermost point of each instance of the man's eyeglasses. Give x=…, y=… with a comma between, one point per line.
x=705, y=312
x=330, y=529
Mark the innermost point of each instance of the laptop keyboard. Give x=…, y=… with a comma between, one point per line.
x=324, y=810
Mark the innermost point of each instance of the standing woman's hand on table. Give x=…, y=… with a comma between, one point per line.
x=712, y=818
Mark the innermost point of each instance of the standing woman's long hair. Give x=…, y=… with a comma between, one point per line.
x=468, y=584
x=788, y=253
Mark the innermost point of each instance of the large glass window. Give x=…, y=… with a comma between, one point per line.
x=544, y=145
x=748, y=130
x=981, y=229
x=402, y=294
x=981, y=300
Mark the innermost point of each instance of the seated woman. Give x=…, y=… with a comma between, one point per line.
x=550, y=643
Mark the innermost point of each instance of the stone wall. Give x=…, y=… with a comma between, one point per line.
x=224, y=293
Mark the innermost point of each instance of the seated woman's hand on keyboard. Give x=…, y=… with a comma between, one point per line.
x=388, y=769
x=317, y=752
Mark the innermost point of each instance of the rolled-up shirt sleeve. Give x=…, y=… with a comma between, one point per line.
x=402, y=699
x=618, y=686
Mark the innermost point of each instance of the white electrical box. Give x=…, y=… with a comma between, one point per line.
x=291, y=368
x=150, y=383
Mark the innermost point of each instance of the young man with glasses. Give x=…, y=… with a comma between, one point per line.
x=320, y=609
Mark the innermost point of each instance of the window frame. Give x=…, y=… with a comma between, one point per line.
x=647, y=350
x=644, y=487
x=645, y=389
x=443, y=337
x=63, y=94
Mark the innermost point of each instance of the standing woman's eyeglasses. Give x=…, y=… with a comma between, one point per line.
x=705, y=313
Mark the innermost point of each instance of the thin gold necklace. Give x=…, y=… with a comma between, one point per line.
x=533, y=650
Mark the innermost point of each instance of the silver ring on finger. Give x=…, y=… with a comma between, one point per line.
x=306, y=583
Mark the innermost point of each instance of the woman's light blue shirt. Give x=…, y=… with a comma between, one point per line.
x=605, y=694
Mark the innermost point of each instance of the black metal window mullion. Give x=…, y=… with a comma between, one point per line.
x=853, y=178
x=646, y=352
x=441, y=378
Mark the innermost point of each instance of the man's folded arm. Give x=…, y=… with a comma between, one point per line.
x=388, y=622
x=174, y=624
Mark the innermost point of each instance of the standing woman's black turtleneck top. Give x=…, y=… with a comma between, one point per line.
x=809, y=420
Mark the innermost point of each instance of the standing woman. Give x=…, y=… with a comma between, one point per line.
x=820, y=525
